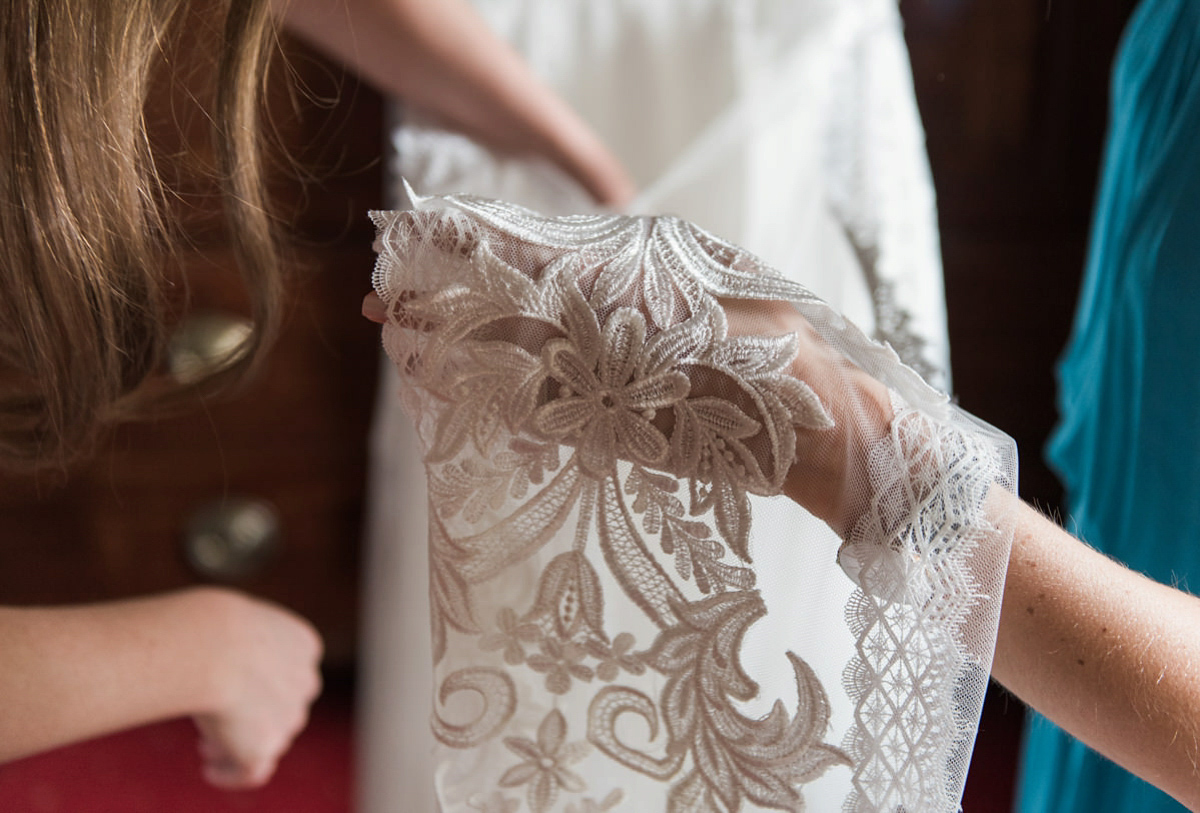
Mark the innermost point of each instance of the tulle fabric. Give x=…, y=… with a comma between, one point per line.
x=787, y=127
x=1126, y=442
x=626, y=614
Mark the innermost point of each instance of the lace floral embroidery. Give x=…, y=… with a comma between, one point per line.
x=591, y=424
x=545, y=763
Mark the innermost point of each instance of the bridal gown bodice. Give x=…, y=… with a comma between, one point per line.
x=789, y=129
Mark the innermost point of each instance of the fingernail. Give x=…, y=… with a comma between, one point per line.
x=373, y=309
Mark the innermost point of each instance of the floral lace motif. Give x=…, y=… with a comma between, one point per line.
x=593, y=431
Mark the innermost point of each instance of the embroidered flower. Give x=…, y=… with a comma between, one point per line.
x=568, y=598
x=606, y=400
x=616, y=657
x=560, y=662
x=545, y=763
x=511, y=637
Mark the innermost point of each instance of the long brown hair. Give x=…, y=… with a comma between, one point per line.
x=85, y=237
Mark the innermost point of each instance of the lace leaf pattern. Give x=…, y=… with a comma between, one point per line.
x=590, y=423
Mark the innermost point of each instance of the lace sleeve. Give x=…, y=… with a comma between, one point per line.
x=626, y=613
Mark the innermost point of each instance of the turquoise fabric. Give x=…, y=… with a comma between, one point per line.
x=1128, y=443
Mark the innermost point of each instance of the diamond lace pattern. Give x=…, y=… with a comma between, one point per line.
x=593, y=433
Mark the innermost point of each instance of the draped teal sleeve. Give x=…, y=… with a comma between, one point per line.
x=1128, y=443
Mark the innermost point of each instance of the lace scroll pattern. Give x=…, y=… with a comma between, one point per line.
x=592, y=432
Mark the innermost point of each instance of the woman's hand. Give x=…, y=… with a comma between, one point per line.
x=244, y=669
x=825, y=477
x=829, y=471
x=264, y=675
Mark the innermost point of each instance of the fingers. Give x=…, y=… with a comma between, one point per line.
x=267, y=661
x=233, y=776
x=235, y=757
x=821, y=472
x=373, y=308
x=828, y=467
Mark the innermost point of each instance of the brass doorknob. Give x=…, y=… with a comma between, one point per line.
x=231, y=539
x=204, y=341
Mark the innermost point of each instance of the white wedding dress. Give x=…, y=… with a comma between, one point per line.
x=790, y=129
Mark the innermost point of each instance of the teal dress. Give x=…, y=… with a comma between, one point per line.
x=1128, y=444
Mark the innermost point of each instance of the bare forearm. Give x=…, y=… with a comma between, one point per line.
x=442, y=57
x=73, y=673
x=1109, y=655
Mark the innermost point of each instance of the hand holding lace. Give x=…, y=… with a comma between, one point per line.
x=719, y=384
x=599, y=398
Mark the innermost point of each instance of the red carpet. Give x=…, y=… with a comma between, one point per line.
x=157, y=770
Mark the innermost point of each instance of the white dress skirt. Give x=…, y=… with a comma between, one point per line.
x=790, y=129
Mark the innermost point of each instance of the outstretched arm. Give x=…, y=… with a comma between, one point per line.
x=1109, y=655
x=442, y=57
x=1106, y=653
x=244, y=669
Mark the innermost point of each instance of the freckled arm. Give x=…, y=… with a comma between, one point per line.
x=1109, y=655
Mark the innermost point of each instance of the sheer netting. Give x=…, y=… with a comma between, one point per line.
x=696, y=543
